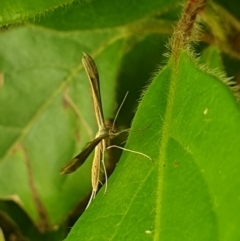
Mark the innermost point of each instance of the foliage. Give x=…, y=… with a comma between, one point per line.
x=187, y=119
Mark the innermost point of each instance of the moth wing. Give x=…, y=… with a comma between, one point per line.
x=78, y=160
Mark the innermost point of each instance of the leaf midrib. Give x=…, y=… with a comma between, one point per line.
x=163, y=146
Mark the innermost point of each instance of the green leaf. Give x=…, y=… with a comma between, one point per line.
x=46, y=109
x=191, y=189
x=71, y=15
x=45, y=101
x=11, y=12
x=41, y=123
x=187, y=122
x=101, y=14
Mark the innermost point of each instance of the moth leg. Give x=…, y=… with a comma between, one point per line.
x=103, y=164
x=95, y=172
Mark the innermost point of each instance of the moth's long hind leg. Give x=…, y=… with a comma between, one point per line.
x=91, y=198
x=132, y=151
x=95, y=172
x=103, y=164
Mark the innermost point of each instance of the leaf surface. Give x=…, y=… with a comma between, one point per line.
x=42, y=125
x=11, y=12
x=190, y=190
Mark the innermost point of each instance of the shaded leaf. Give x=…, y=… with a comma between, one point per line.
x=42, y=124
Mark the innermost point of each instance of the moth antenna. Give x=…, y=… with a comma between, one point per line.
x=119, y=110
